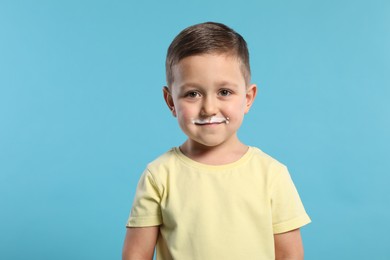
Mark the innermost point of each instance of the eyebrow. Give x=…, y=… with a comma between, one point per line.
x=190, y=85
x=220, y=84
x=227, y=83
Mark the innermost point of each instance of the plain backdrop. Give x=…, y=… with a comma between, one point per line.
x=82, y=113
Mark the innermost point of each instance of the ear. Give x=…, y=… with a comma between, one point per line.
x=250, y=97
x=168, y=100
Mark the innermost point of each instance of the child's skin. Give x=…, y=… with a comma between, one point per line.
x=204, y=86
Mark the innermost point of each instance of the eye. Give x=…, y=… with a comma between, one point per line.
x=225, y=92
x=192, y=94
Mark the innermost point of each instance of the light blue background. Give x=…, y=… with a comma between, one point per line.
x=81, y=114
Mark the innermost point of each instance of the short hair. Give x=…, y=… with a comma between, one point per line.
x=207, y=38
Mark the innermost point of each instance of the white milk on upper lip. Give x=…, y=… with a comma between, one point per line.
x=211, y=120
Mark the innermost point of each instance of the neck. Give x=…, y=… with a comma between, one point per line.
x=214, y=155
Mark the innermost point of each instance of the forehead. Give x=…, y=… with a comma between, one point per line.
x=207, y=69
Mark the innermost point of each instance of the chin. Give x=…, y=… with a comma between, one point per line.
x=209, y=143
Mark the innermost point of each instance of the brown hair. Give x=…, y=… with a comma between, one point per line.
x=210, y=38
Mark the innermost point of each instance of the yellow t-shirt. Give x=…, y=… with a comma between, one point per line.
x=219, y=212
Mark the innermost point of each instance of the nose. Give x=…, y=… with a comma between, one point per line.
x=209, y=107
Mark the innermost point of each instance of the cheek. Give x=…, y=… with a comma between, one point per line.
x=237, y=108
x=185, y=112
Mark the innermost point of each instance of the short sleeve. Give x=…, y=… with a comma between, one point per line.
x=146, y=206
x=288, y=212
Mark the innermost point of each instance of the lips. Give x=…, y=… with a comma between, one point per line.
x=209, y=123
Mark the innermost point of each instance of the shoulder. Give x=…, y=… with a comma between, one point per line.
x=265, y=159
x=163, y=162
x=164, y=158
x=158, y=168
x=269, y=167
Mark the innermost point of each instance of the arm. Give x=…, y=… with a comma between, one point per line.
x=139, y=243
x=288, y=246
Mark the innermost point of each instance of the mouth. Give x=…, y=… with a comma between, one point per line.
x=211, y=121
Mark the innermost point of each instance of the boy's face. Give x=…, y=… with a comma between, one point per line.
x=209, y=97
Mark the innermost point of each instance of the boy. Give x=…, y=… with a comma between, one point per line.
x=213, y=198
